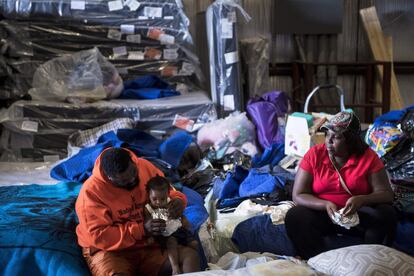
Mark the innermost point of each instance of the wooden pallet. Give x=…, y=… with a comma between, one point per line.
x=382, y=51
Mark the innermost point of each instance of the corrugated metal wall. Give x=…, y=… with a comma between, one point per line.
x=397, y=20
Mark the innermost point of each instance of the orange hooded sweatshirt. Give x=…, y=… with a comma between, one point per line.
x=112, y=218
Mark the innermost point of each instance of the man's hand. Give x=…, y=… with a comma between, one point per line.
x=154, y=227
x=353, y=204
x=330, y=209
x=175, y=208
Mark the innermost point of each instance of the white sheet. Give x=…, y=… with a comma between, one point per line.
x=18, y=173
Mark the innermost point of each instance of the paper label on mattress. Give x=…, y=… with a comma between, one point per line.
x=114, y=34
x=187, y=69
x=166, y=39
x=133, y=38
x=132, y=4
x=30, y=126
x=228, y=102
x=77, y=5
x=170, y=54
x=231, y=16
x=120, y=51
x=122, y=71
x=183, y=122
x=169, y=17
x=226, y=28
x=141, y=17
x=51, y=158
x=136, y=55
x=231, y=57
x=127, y=29
x=115, y=5
x=153, y=12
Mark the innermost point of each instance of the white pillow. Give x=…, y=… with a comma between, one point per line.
x=364, y=259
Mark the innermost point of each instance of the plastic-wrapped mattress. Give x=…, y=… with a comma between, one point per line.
x=167, y=14
x=34, y=129
x=225, y=72
x=27, y=45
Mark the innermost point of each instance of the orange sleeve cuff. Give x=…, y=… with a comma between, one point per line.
x=137, y=230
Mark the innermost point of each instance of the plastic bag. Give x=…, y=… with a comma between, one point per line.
x=382, y=138
x=85, y=76
x=264, y=111
x=228, y=134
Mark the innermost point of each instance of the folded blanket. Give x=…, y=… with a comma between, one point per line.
x=79, y=167
x=148, y=87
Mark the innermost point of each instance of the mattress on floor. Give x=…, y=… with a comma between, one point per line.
x=34, y=129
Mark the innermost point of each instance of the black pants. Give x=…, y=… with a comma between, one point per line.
x=309, y=229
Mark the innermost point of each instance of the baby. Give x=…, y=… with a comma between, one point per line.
x=177, y=237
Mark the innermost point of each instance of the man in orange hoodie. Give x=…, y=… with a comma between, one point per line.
x=110, y=207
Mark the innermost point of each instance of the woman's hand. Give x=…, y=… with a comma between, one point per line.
x=175, y=208
x=331, y=208
x=353, y=204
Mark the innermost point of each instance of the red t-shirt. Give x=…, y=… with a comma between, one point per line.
x=355, y=172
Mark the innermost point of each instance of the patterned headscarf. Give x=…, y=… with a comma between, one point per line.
x=343, y=121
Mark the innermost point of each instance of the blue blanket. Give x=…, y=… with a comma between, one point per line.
x=259, y=234
x=37, y=229
x=147, y=87
x=79, y=167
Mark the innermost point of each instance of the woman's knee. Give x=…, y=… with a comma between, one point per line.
x=382, y=214
x=297, y=215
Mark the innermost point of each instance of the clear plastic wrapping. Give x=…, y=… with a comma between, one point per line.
x=167, y=14
x=84, y=76
x=138, y=37
x=34, y=129
x=137, y=53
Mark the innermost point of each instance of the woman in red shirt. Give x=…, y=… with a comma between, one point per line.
x=340, y=178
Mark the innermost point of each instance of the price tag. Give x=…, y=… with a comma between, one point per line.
x=229, y=102
x=231, y=57
x=115, y=5
x=226, y=28
x=166, y=39
x=132, y=4
x=120, y=51
x=153, y=12
x=127, y=29
x=170, y=54
x=114, y=34
x=133, y=38
x=30, y=126
x=136, y=55
x=77, y=5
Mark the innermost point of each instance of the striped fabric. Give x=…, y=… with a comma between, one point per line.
x=365, y=259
